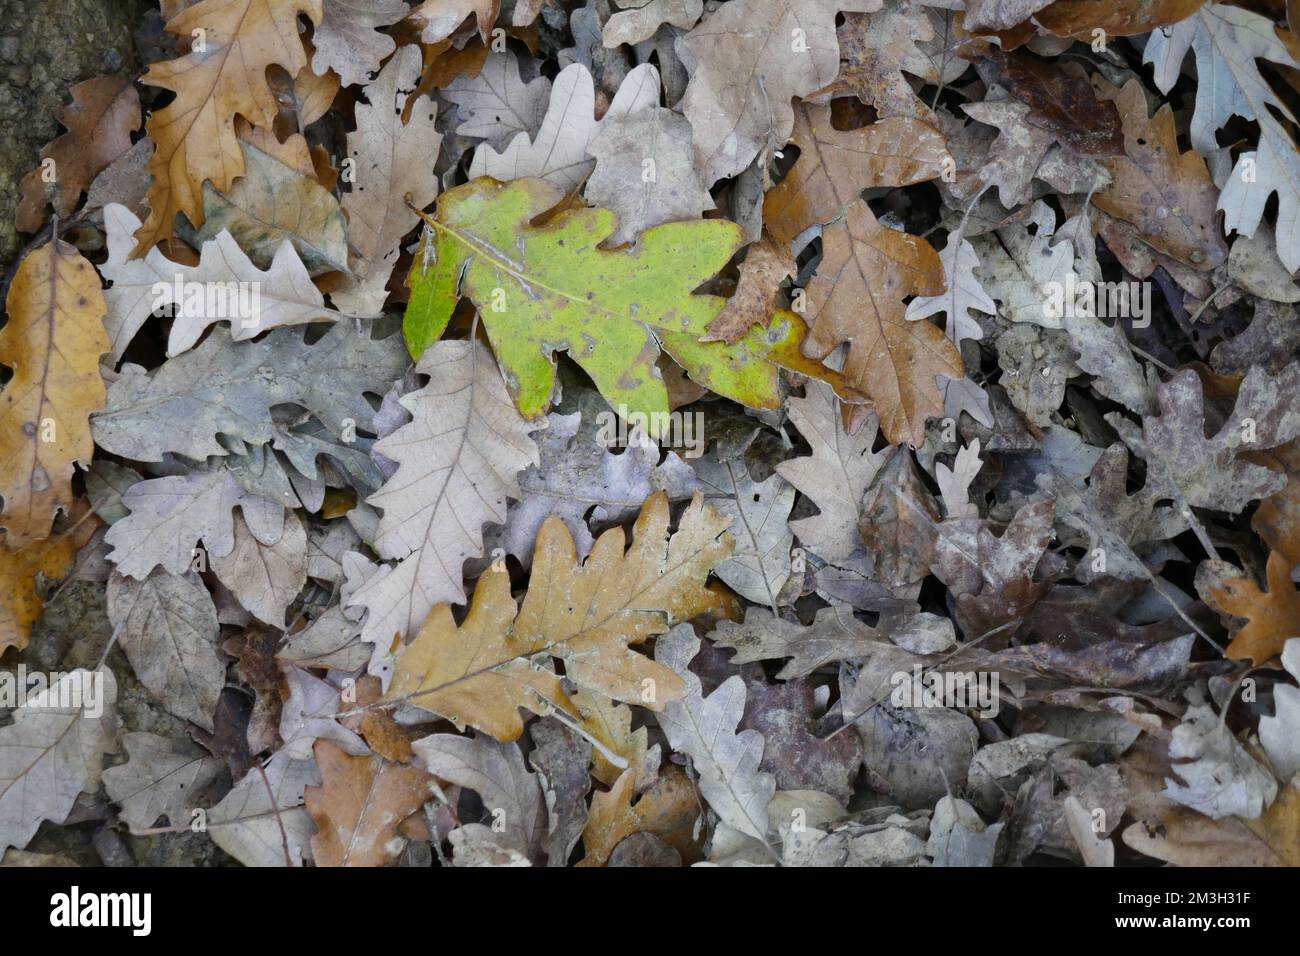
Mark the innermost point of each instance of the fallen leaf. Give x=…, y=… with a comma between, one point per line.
x=584, y=614
x=224, y=75
x=167, y=625
x=104, y=111
x=52, y=341
x=857, y=297
x=358, y=806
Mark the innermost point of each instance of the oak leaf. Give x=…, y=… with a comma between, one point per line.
x=1227, y=40
x=457, y=462
x=285, y=293
x=834, y=167
x=100, y=119
x=546, y=287
x=857, y=297
x=273, y=202
x=558, y=153
x=347, y=39
x=53, y=750
x=582, y=614
x=359, y=805
x=668, y=810
x=438, y=19
x=167, y=625
x=1167, y=195
x=224, y=75
x=753, y=58
x=393, y=166
x=1272, y=617
x=161, y=777
x=52, y=341
x=705, y=729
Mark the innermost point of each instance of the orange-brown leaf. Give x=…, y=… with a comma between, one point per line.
x=53, y=342
x=857, y=297
x=103, y=113
x=195, y=133
x=668, y=810
x=1118, y=18
x=767, y=264
x=359, y=805
x=834, y=166
x=1272, y=617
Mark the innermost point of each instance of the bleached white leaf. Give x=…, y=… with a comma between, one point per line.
x=558, y=153
x=285, y=292
x=1221, y=778
x=705, y=729
x=458, y=460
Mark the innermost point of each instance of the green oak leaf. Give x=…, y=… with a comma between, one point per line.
x=543, y=287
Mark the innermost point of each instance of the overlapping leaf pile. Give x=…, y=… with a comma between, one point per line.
x=542, y=433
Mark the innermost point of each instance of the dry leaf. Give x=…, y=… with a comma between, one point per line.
x=222, y=77
x=857, y=297
x=103, y=113
x=359, y=805
x=585, y=615
x=52, y=341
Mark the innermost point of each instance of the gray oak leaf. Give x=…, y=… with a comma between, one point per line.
x=645, y=172
x=53, y=750
x=167, y=625
x=159, y=779
x=705, y=729
x=225, y=388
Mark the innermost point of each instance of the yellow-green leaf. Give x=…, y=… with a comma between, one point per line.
x=543, y=287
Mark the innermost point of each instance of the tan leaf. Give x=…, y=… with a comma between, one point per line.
x=1118, y=18
x=458, y=459
x=754, y=57
x=273, y=202
x=359, y=805
x=393, y=165
x=265, y=579
x=53, y=341
x=195, y=133
x=348, y=40
x=857, y=297
x=584, y=614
